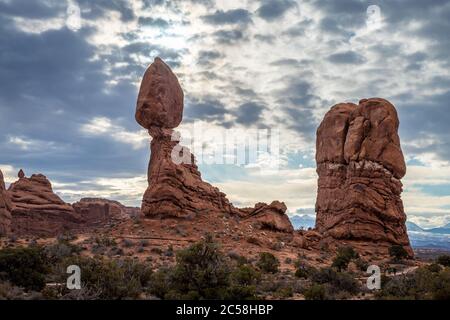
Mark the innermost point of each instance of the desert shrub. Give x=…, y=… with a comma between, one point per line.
x=397, y=252
x=201, y=268
x=160, y=283
x=268, y=262
x=202, y=272
x=444, y=260
x=105, y=241
x=111, y=279
x=60, y=250
x=315, y=292
x=422, y=284
x=245, y=275
x=343, y=257
x=284, y=292
x=304, y=271
x=11, y=292
x=243, y=281
x=301, y=273
x=344, y=282
x=335, y=281
x=441, y=286
x=66, y=237
x=361, y=264
x=434, y=267
x=240, y=260
x=24, y=267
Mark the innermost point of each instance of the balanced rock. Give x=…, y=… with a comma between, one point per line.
x=98, y=212
x=175, y=186
x=37, y=210
x=5, y=208
x=160, y=100
x=360, y=164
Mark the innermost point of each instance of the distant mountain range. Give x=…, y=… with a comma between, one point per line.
x=419, y=237
x=440, y=230
x=304, y=221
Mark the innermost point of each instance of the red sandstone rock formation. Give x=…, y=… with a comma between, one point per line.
x=360, y=164
x=5, y=208
x=99, y=212
x=270, y=216
x=36, y=210
x=176, y=189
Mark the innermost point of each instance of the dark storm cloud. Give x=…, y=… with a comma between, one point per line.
x=271, y=10
x=418, y=118
x=298, y=102
x=206, y=57
x=265, y=38
x=342, y=17
x=94, y=9
x=249, y=113
x=32, y=9
x=348, y=57
x=298, y=30
x=245, y=93
x=228, y=36
x=285, y=62
x=52, y=86
x=236, y=16
x=208, y=109
x=153, y=22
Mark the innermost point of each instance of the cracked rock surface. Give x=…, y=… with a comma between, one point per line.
x=360, y=164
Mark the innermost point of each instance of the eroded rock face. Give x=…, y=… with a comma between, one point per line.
x=37, y=210
x=270, y=216
x=177, y=189
x=99, y=212
x=175, y=186
x=360, y=164
x=5, y=209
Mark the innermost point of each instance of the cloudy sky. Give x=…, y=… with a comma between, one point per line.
x=69, y=85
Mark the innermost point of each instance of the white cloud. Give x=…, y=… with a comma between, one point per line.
x=9, y=173
x=297, y=188
x=102, y=126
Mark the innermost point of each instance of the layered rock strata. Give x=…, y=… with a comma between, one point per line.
x=360, y=164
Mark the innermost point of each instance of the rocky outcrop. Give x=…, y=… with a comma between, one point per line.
x=37, y=210
x=99, y=212
x=360, y=164
x=175, y=187
x=270, y=216
x=5, y=209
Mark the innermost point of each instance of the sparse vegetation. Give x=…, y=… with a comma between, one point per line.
x=24, y=267
x=343, y=257
x=201, y=271
x=444, y=260
x=268, y=262
x=398, y=253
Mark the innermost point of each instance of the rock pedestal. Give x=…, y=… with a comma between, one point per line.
x=360, y=164
x=175, y=187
